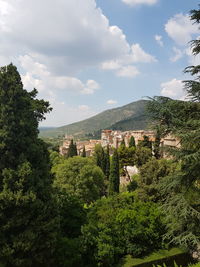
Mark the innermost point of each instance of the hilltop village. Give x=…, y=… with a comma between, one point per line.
x=114, y=138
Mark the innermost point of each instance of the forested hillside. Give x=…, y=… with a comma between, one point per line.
x=129, y=117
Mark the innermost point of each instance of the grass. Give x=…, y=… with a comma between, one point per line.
x=175, y=265
x=128, y=261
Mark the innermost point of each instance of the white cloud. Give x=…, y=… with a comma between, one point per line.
x=139, y=55
x=122, y=65
x=177, y=54
x=110, y=65
x=37, y=75
x=180, y=28
x=111, y=102
x=90, y=87
x=66, y=39
x=158, y=39
x=59, y=35
x=128, y=71
x=139, y=2
x=173, y=89
x=83, y=107
x=193, y=60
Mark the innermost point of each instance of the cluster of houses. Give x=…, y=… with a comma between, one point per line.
x=114, y=139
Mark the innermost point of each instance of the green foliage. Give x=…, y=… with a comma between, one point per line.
x=145, y=142
x=55, y=158
x=72, y=151
x=83, y=153
x=162, y=255
x=151, y=174
x=181, y=188
x=107, y=156
x=126, y=158
x=132, y=186
x=100, y=157
x=142, y=155
x=132, y=142
x=157, y=150
x=122, y=143
x=119, y=225
x=114, y=178
x=80, y=177
x=28, y=217
x=72, y=217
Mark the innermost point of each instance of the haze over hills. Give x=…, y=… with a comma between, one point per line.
x=129, y=117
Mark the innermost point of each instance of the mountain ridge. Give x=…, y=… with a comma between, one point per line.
x=131, y=116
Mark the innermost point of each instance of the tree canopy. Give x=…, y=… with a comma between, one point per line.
x=181, y=188
x=27, y=210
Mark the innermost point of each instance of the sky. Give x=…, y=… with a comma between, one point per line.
x=86, y=56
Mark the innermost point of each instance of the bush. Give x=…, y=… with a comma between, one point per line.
x=119, y=225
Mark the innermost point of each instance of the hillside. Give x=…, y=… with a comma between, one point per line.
x=128, y=117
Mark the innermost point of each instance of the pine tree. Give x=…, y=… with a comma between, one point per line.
x=123, y=142
x=145, y=142
x=75, y=150
x=132, y=142
x=72, y=151
x=27, y=211
x=107, y=156
x=114, y=179
x=84, y=152
x=181, y=189
x=100, y=157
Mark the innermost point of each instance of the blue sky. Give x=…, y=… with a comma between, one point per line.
x=88, y=56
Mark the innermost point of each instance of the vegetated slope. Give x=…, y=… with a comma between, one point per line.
x=128, y=117
x=140, y=122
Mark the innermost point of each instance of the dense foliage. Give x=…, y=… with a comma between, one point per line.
x=79, y=176
x=119, y=225
x=114, y=179
x=27, y=210
x=182, y=187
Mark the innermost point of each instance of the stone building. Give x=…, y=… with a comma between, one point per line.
x=89, y=146
x=114, y=138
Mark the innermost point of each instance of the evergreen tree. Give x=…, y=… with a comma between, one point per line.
x=72, y=151
x=156, y=147
x=114, y=179
x=182, y=188
x=107, y=156
x=145, y=142
x=100, y=157
x=132, y=142
x=84, y=152
x=123, y=142
x=27, y=211
x=75, y=150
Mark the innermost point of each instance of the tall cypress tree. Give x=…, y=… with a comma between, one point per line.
x=107, y=157
x=27, y=211
x=100, y=157
x=123, y=142
x=132, y=142
x=114, y=179
x=72, y=151
x=83, y=153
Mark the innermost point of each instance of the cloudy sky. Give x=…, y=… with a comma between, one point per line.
x=85, y=56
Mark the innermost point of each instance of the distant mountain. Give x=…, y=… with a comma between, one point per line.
x=129, y=117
